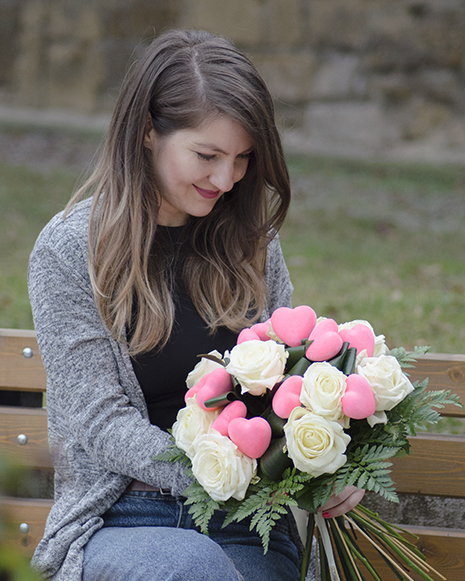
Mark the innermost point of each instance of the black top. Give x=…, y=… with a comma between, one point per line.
x=162, y=374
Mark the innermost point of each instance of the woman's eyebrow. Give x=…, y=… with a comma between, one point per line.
x=217, y=149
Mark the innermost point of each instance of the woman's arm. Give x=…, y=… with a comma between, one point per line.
x=277, y=279
x=94, y=401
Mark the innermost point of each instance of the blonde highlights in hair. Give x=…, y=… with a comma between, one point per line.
x=182, y=78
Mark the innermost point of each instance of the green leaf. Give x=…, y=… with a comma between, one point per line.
x=202, y=506
x=266, y=502
x=407, y=359
x=172, y=454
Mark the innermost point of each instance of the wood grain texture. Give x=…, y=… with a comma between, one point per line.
x=16, y=511
x=18, y=372
x=443, y=371
x=31, y=423
x=436, y=466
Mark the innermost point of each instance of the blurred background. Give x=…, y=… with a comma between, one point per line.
x=370, y=100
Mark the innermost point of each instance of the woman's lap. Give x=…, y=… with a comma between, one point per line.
x=155, y=554
x=150, y=538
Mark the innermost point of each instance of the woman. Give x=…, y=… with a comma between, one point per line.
x=173, y=254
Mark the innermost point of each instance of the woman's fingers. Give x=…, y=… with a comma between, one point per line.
x=342, y=503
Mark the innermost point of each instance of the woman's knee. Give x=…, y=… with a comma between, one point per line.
x=155, y=554
x=201, y=559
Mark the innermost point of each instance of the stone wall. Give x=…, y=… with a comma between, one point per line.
x=362, y=73
x=72, y=54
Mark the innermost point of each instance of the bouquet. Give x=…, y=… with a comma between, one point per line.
x=302, y=407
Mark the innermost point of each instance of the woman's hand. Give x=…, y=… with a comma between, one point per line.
x=342, y=503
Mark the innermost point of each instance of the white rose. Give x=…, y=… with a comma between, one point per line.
x=380, y=346
x=377, y=418
x=191, y=421
x=389, y=383
x=322, y=389
x=220, y=468
x=315, y=445
x=203, y=367
x=257, y=365
x=380, y=341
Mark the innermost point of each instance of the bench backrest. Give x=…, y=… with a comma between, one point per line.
x=23, y=433
x=434, y=468
x=436, y=465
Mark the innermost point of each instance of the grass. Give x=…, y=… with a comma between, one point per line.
x=28, y=200
x=363, y=240
x=383, y=243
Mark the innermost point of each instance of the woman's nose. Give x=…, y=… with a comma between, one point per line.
x=224, y=177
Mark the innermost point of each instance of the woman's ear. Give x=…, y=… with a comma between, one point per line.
x=149, y=132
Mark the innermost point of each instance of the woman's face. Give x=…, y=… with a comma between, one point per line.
x=195, y=167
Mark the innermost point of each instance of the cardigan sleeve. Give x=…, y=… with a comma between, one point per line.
x=96, y=417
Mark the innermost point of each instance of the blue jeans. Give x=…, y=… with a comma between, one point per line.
x=151, y=537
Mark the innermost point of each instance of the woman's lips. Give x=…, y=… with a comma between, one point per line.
x=208, y=194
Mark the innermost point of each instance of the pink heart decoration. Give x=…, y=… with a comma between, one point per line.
x=214, y=383
x=361, y=337
x=358, y=401
x=247, y=335
x=325, y=346
x=236, y=409
x=293, y=325
x=252, y=437
x=261, y=330
x=287, y=397
x=324, y=326
x=195, y=388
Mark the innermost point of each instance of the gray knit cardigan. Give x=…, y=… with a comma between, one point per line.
x=99, y=433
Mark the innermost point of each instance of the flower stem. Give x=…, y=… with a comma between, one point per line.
x=308, y=547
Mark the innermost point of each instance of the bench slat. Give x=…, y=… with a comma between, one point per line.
x=443, y=548
x=16, y=370
x=444, y=372
x=31, y=423
x=436, y=466
x=17, y=511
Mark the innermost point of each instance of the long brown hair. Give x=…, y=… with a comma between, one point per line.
x=182, y=78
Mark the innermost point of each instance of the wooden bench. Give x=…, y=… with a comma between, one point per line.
x=436, y=466
x=434, y=469
x=23, y=434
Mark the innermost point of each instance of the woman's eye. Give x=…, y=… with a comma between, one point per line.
x=204, y=156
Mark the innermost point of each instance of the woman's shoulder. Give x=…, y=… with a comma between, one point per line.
x=64, y=240
x=64, y=235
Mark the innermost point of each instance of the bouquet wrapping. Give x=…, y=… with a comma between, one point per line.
x=302, y=407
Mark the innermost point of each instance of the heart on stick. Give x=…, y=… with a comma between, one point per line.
x=361, y=337
x=195, y=388
x=358, y=401
x=324, y=326
x=236, y=409
x=324, y=346
x=261, y=330
x=247, y=335
x=293, y=325
x=252, y=437
x=215, y=383
x=287, y=397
